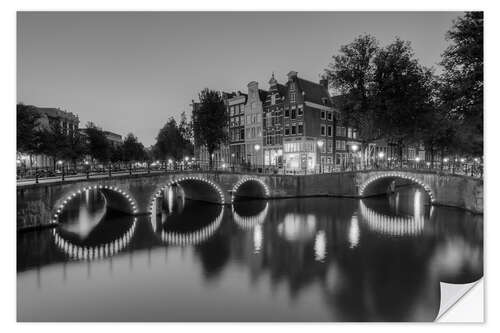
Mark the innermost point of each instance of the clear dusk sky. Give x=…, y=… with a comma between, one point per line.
x=129, y=72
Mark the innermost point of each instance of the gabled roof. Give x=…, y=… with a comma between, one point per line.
x=281, y=89
x=262, y=95
x=314, y=92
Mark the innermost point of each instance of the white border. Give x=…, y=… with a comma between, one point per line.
x=492, y=135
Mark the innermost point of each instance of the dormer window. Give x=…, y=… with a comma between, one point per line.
x=273, y=99
x=324, y=100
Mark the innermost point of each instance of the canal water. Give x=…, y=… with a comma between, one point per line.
x=308, y=259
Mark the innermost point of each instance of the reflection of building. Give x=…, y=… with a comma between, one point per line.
x=308, y=125
x=253, y=124
x=273, y=124
x=236, y=109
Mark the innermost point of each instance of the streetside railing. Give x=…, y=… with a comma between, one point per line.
x=29, y=175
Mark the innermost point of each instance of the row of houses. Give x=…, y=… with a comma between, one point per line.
x=69, y=123
x=294, y=126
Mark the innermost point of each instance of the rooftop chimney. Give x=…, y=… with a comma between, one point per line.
x=291, y=75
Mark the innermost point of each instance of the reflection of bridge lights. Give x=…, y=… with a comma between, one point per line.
x=192, y=238
x=257, y=238
x=246, y=179
x=157, y=194
x=79, y=252
x=73, y=194
x=320, y=246
x=248, y=222
x=391, y=225
x=394, y=174
x=297, y=227
x=354, y=232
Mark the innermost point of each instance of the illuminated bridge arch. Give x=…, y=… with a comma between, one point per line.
x=195, y=188
x=398, y=226
x=115, y=197
x=79, y=252
x=250, y=187
x=249, y=222
x=193, y=237
x=379, y=183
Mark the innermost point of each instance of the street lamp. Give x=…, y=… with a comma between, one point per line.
x=417, y=159
x=354, y=149
x=445, y=160
x=381, y=155
x=320, y=146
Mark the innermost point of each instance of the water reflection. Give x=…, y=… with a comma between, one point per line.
x=313, y=259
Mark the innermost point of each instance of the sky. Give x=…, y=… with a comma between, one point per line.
x=130, y=72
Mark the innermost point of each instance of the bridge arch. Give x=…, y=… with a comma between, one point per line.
x=250, y=187
x=195, y=188
x=114, y=196
x=108, y=249
x=395, y=226
x=382, y=181
x=249, y=222
x=195, y=237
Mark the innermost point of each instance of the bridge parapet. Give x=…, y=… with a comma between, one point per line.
x=37, y=203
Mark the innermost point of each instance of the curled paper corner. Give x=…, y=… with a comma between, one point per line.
x=452, y=293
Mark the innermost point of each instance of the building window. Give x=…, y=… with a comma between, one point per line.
x=294, y=114
x=354, y=134
x=300, y=129
x=287, y=113
x=287, y=131
x=323, y=114
x=340, y=144
x=330, y=116
x=294, y=129
x=300, y=111
x=273, y=99
x=349, y=132
x=323, y=130
x=330, y=130
x=292, y=97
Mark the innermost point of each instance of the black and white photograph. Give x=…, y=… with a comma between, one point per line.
x=247, y=166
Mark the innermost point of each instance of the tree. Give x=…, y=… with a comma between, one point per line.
x=462, y=89
x=132, y=149
x=169, y=141
x=402, y=95
x=351, y=74
x=54, y=143
x=98, y=146
x=28, y=132
x=210, y=121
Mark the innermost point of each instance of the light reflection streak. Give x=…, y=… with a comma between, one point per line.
x=354, y=232
x=296, y=227
x=320, y=246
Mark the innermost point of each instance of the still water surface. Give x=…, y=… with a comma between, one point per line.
x=309, y=259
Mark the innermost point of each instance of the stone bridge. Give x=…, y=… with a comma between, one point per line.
x=40, y=204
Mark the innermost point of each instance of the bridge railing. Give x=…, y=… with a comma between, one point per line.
x=35, y=175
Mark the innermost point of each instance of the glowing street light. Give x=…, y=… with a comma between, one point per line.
x=60, y=162
x=186, y=158
x=169, y=161
x=476, y=160
x=354, y=148
x=257, y=147
x=381, y=155
x=445, y=160
x=417, y=159
x=462, y=160
x=320, y=143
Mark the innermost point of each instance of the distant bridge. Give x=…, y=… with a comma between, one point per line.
x=39, y=204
